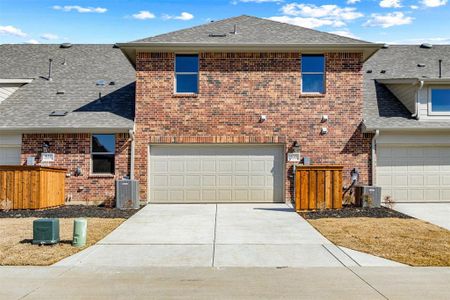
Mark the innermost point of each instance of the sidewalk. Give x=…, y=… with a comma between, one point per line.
x=224, y=283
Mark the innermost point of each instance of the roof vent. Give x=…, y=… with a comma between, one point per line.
x=426, y=46
x=383, y=71
x=100, y=82
x=112, y=83
x=61, y=92
x=65, y=45
x=385, y=46
x=115, y=46
x=59, y=113
x=369, y=71
x=235, y=29
x=217, y=35
x=421, y=65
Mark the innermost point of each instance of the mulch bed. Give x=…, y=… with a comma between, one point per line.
x=71, y=211
x=354, y=212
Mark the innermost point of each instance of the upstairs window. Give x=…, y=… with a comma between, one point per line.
x=103, y=152
x=313, y=73
x=440, y=100
x=186, y=73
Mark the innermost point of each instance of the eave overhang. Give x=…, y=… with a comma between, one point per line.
x=131, y=49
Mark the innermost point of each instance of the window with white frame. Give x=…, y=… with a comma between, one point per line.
x=313, y=73
x=440, y=100
x=186, y=73
x=103, y=153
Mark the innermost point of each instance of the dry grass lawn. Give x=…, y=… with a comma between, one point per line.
x=408, y=241
x=16, y=235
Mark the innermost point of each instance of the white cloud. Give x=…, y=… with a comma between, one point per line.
x=80, y=9
x=313, y=16
x=308, y=22
x=353, y=1
x=11, y=30
x=144, y=15
x=323, y=11
x=434, y=3
x=345, y=32
x=184, y=16
x=388, y=20
x=414, y=7
x=32, y=41
x=49, y=36
x=390, y=3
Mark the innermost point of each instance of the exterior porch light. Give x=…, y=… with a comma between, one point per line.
x=295, y=147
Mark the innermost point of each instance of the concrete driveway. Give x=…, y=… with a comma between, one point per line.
x=434, y=213
x=218, y=235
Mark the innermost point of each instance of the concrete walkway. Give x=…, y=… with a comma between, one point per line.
x=224, y=235
x=224, y=283
x=434, y=213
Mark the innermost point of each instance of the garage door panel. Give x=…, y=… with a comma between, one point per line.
x=414, y=173
x=216, y=173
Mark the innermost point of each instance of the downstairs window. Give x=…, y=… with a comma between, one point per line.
x=103, y=153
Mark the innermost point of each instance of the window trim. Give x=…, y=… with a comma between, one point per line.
x=175, y=73
x=430, y=100
x=91, y=168
x=313, y=73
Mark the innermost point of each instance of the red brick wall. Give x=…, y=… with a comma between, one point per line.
x=74, y=150
x=235, y=89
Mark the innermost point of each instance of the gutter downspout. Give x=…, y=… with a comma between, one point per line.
x=131, y=132
x=415, y=115
x=374, y=156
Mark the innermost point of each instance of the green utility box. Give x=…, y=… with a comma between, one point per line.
x=46, y=231
x=79, y=232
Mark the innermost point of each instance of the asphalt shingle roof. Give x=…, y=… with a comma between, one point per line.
x=382, y=110
x=75, y=71
x=251, y=30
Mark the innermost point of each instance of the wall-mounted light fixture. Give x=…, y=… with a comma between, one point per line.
x=324, y=131
x=296, y=147
x=45, y=147
x=262, y=118
x=324, y=118
x=77, y=172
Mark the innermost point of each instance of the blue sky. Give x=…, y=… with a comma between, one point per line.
x=109, y=21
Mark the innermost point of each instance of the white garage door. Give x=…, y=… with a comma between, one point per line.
x=10, y=149
x=216, y=173
x=414, y=174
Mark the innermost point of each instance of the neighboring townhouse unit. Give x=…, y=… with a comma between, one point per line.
x=219, y=106
x=407, y=107
x=80, y=107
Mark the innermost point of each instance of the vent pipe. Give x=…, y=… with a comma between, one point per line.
x=440, y=68
x=235, y=29
x=50, y=61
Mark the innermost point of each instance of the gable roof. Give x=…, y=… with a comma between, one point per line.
x=73, y=88
x=250, y=30
x=252, y=34
x=382, y=110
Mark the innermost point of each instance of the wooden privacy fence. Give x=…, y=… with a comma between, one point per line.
x=318, y=187
x=31, y=187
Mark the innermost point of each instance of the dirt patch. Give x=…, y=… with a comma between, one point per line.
x=409, y=241
x=70, y=211
x=16, y=235
x=354, y=212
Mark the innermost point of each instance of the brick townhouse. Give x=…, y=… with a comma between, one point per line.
x=208, y=114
